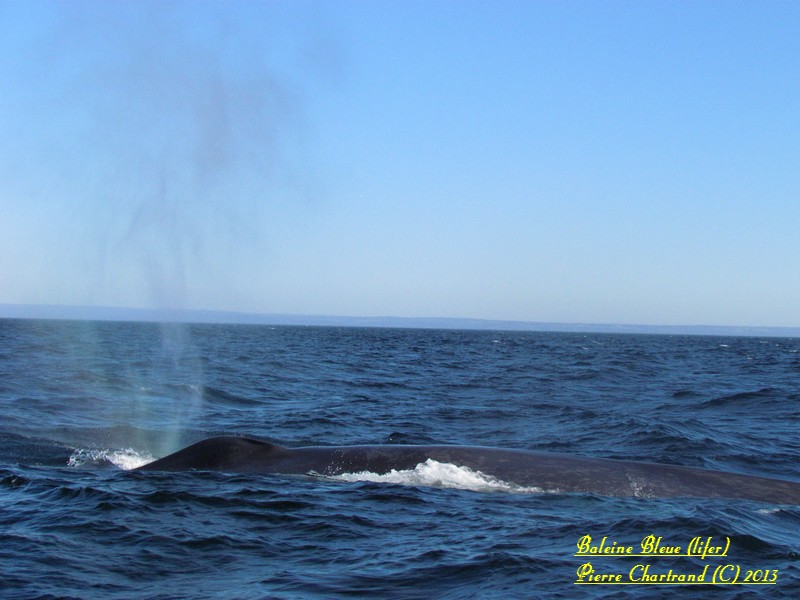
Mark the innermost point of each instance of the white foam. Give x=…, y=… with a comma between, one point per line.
x=769, y=511
x=125, y=459
x=639, y=490
x=432, y=473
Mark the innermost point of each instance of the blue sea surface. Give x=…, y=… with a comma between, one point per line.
x=82, y=402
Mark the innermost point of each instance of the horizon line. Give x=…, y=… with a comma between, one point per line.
x=229, y=317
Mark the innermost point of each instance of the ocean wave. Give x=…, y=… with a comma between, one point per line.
x=743, y=397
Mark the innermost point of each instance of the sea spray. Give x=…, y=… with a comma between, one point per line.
x=180, y=356
x=126, y=458
x=433, y=473
x=183, y=136
x=199, y=135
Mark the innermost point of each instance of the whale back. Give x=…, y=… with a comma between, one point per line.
x=225, y=453
x=543, y=470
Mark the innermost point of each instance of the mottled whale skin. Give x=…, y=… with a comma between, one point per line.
x=544, y=470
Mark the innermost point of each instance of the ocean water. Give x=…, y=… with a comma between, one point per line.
x=81, y=403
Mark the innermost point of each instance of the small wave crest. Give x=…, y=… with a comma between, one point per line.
x=432, y=473
x=739, y=398
x=125, y=459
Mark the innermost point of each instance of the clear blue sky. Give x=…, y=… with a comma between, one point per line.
x=611, y=162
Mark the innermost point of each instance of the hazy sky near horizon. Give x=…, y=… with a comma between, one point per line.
x=611, y=162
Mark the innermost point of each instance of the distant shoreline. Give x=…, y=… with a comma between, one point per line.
x=108, y=313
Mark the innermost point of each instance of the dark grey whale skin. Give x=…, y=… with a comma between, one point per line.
x=547, y=471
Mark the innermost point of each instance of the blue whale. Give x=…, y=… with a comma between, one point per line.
x=551, y=472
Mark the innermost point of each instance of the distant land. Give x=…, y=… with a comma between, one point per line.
x=106, y=313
